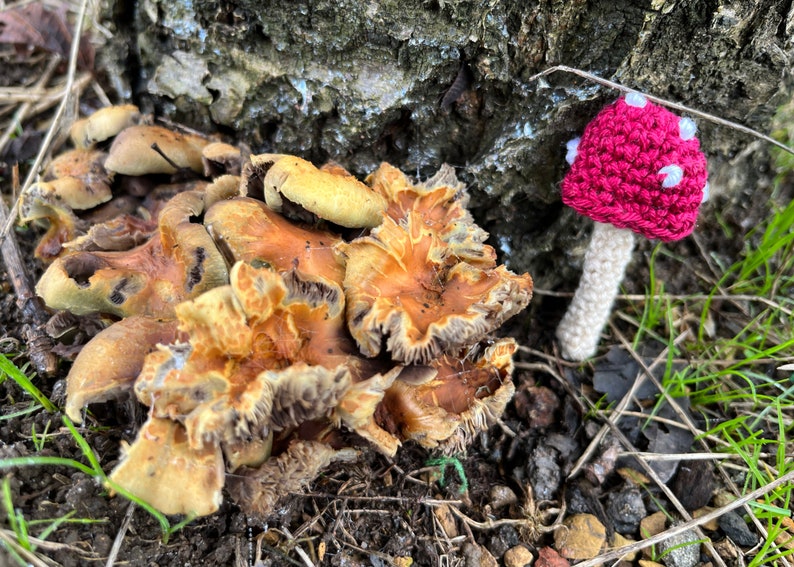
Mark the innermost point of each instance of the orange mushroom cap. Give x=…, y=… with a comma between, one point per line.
x=267, y=351
x=406, y=287
x=250, y=231
x=79, y=179
x=456, y=404
x=441, y=203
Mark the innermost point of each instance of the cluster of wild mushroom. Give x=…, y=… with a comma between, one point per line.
x=273, y=316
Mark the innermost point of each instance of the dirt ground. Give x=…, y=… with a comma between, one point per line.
x=376, y=511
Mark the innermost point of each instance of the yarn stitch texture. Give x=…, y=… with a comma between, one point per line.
x=615, y=176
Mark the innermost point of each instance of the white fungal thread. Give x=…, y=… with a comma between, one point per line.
x=674, y=175
x=636, y=99
x=573, y=150
x=687, y=128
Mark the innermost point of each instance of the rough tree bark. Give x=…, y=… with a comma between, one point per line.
x=364, y=81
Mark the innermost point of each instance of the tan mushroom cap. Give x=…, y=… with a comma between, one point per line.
x=406, y=288
x=220, y=158
x=331, y=195
x=110, y=362
x=222, y=188
x=250, y=231
x=180, y=262
x=131, y=152
x=163, y=470
x=103, y=125
x=78, y=179
x=258, y=490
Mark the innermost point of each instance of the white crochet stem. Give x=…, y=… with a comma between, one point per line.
x=604, y=265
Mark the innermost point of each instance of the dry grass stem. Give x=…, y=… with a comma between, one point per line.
x=71, y=94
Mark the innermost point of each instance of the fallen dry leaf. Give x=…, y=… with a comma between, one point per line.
x=35, y=25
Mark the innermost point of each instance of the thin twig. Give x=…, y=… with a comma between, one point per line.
x=125, y=524
x=663, y=102
x=23, y=111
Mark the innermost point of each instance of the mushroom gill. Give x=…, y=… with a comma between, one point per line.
x=257, y=490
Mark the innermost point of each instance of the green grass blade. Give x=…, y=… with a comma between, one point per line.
x=9, y=369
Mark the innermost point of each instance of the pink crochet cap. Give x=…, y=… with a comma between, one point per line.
x=638, y=166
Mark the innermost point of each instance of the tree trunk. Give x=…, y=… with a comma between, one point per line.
x=422, y=82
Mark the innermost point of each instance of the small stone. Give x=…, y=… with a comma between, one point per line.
x=537, y=406
x=727, y=550
x=712, y=525
x=653, y=524
x=737, y=529
x=650, y=526
x=446, y=520
x=502, y=496
x=626, y=508
x=675, y=551
x=403, y=561
x=693, y=484
x=620, y=541
x=547, y=557
x=477, y=556
x=580, y=537
x=504, y=538
x=518, y=556
x=544, y=472
x=649, y=563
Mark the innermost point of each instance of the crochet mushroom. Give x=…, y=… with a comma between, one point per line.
x=637, y=168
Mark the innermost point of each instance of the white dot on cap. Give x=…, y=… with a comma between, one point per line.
x=687, y=128
x=674, y=175
x=636, y=99
x=573, y=150
x=706, y=192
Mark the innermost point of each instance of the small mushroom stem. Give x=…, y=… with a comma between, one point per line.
x=605, y=262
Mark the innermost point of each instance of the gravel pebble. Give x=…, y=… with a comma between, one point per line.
x=737, y=529
x=626, y=509
x=675, y=552
x=502, y=496
x=518, y=556
x=580, y=537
